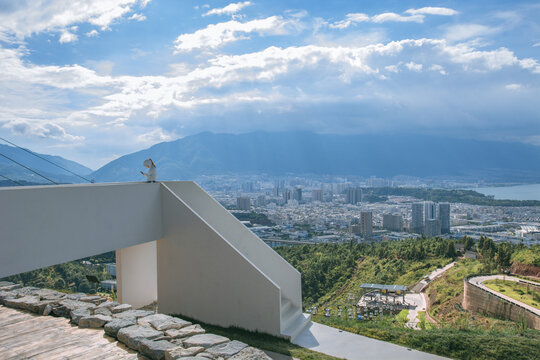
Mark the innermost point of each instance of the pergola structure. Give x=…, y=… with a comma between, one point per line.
x=392, y=290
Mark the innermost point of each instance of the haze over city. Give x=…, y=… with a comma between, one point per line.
x=94, y=82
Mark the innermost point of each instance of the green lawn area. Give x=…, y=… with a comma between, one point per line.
x=402, y=317
x=525, y=293
x=424, y=323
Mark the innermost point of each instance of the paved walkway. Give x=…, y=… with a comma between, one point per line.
x=479, y=280
x=346, y=345
x=420, y=286
x=419, y=303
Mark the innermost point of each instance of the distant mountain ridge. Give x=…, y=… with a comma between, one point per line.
x=16, y=172
x=309, y=153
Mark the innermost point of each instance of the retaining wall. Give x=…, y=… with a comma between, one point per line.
x=479, y=300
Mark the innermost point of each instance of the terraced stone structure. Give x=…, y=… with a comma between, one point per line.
x=155, y=336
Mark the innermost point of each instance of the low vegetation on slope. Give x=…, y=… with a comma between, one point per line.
x=70, y=276
x=331, y=271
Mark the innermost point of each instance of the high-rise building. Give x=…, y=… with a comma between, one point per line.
x=297, y=194
x=366, y=223
x=417, y=221
x=432, y=228
x=243, y=203
x=248, y=187
x=317, y=195
x=444, y=217
x=354, y=195
x=261, y=200
x=286, y=195
x=392, y=222
x=430, y=210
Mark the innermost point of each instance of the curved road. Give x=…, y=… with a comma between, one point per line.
x=479, y=280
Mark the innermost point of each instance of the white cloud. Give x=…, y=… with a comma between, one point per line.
x=412, y=66
x=439, y=68
x=216, y=35
x=56, y=15
x=155, y=136
x=92, y=33
x=467, y=31
x=390, y=16
x=514, y=87
x=273, y=74
x=432, y=11
x=137, y=17
x=40, y=129
x=537, y=44
x=412, y=15
x=67, y=37
x=392, y=68
x=349, y=20
x=229, y=9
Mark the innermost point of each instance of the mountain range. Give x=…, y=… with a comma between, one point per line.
x=13, y=171
x=282, y=153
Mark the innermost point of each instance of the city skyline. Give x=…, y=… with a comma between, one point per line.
x=113, y=77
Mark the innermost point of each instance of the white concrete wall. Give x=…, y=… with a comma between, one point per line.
x=201, y=275
x=207, y=264
x=136, y=274
x=46, y=225
x=220, y=219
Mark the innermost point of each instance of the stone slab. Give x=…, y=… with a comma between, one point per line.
x=94, y=321
x=227, y=349
x=185, y=332
x=112, y=327
x=204, y=340
x=132, y=335
x=250, y=353
x=155, y=350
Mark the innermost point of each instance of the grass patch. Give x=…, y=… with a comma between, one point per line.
x=423, y=322
x=402, y=317
x=447, y=341
x=262, y=341
x=522, y=292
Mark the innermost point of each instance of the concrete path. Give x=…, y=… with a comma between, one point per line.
x=420, y=286
x=419, y=304
x=479, y=280
x=346, y=345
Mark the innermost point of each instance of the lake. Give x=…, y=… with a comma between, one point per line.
x=518, y=192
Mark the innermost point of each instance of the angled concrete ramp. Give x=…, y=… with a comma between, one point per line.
x=174, y=243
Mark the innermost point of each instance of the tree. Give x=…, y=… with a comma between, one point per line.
x=469, y=243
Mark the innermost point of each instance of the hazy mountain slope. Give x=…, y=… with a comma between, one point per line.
x=16, y=172
x=303, y=152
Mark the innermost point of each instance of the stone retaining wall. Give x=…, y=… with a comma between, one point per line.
x=478, y=300
x=155, y=336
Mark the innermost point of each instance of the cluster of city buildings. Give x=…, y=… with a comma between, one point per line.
x=307, y=210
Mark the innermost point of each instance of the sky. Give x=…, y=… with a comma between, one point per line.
x=92, y=80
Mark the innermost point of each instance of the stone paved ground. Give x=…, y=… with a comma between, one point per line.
x=31, y=331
